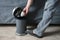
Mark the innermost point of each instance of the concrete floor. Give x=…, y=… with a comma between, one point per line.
x=8, y=33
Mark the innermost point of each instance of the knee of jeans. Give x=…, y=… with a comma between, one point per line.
x=47, y=18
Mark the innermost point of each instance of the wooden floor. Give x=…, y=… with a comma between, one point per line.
x=8, y=33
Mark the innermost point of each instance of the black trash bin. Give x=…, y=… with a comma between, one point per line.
x=20, y=21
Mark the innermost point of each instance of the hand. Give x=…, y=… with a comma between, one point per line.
x=25, y=10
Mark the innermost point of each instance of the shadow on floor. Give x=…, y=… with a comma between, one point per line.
x=52, y=33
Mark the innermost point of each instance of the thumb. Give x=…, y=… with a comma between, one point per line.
x=24, y=10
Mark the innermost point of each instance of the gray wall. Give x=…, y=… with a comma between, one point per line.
x=6, y=7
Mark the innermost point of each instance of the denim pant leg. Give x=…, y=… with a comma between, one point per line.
x=49, y=10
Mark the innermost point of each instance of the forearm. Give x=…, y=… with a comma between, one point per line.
x=29, y=3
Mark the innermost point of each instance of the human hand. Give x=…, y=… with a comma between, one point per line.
x=25, y=10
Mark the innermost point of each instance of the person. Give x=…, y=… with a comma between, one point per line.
x=48, y=12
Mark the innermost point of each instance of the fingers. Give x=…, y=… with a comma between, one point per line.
x=24, y=10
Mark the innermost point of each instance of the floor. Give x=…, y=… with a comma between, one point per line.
x=8, y=33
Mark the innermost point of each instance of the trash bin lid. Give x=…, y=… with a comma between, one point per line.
x=17, y=13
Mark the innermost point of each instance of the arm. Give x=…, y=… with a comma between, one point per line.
x=29, y=3
x=26, y=9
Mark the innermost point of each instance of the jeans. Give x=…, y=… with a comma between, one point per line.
x=49, y=10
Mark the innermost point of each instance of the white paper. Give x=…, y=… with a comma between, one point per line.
x=22, y=14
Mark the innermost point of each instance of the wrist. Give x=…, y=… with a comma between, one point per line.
x=28, y=7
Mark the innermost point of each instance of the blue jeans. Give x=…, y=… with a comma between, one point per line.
x=49, y=10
